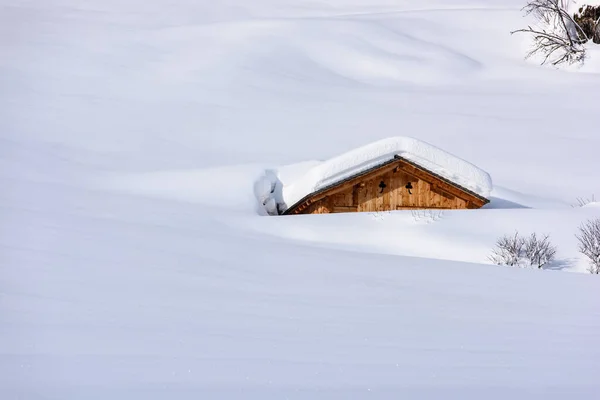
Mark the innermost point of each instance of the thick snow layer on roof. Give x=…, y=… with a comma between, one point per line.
x=358, y=160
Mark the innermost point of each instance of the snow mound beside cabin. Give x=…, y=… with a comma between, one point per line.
x=363, y=158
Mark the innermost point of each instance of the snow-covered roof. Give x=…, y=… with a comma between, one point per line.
x=354, y=162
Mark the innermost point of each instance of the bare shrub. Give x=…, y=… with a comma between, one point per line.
x=519, y=251
x=427, y=215
x=582, y=202
x=380, y=215
x=557, y=36
x=509, y=250
x=589, y=243
x=539, y=252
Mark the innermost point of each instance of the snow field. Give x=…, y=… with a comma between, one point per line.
x=134, y=264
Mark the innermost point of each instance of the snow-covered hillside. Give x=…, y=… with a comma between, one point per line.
x=134, y=263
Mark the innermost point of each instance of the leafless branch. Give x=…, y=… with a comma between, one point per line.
x=559, y=38
x=539, y=252
x=519, y=251
x=589, y=243
x=508, y=251
x=428, y=215
x=581, y=202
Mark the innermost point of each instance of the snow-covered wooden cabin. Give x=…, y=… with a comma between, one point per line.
x=392, y=174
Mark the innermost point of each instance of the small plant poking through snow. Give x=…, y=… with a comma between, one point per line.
x=589, y=243
x=522, y=252
x=427, y=215
x=380, y=215
x=581, y=202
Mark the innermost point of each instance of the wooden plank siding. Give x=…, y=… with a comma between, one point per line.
x=387, y=188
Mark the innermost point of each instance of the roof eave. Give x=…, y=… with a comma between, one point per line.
x=289, y=210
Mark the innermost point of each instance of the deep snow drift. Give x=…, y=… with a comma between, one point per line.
x=133, y=263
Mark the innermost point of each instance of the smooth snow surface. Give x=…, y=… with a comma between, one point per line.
x=136, y=137
x=358, y=160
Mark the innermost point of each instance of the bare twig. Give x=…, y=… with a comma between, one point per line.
x=428, y=215
x=581, y=202
x=508, y=251
x=519, y=251
x=559, y=38
x=589, y=243
x=539, y=252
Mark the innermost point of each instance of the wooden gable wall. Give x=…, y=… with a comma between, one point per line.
x=396, y=186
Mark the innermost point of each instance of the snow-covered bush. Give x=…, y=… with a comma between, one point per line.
x=265, y=190
x=522, y=252
x=589, y=243
x=556, y=36
x=509, y=250
x=539, y=252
